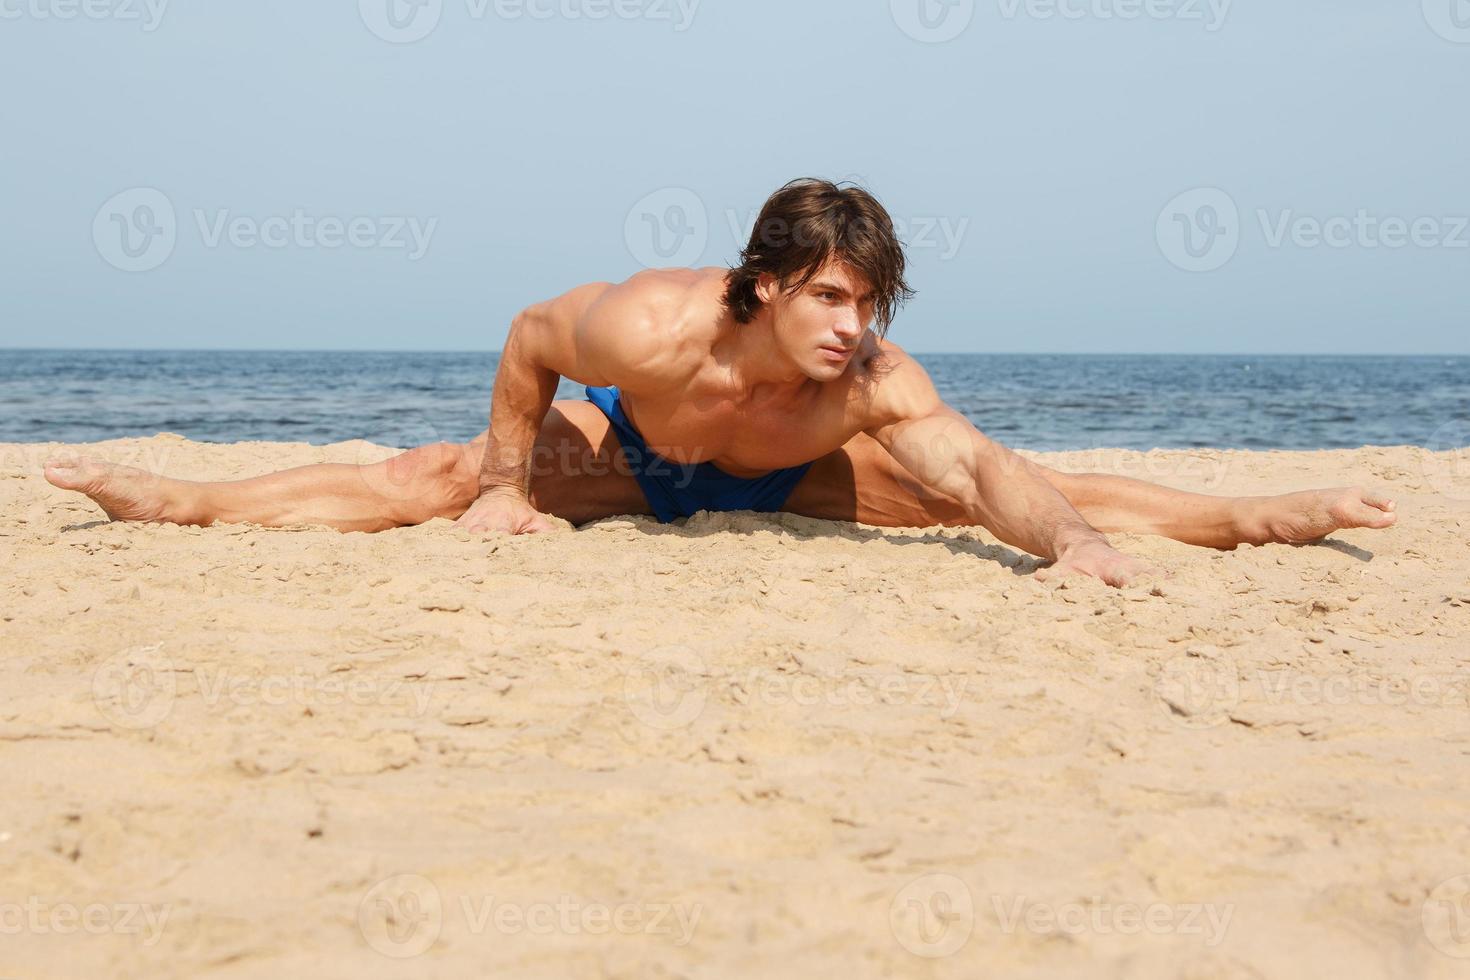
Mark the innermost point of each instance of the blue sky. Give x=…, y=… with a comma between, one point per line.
x=1073, y=175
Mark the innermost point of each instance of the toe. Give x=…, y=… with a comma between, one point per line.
x=66, y=472
x=1370, y=515
x=1382, y=501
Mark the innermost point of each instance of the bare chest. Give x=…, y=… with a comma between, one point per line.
x=743, y=440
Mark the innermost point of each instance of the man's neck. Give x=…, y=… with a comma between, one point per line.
x=756, y=363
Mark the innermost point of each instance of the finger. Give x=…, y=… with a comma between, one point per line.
x=1056, y=576
x=472, y=517
x=1132, y=572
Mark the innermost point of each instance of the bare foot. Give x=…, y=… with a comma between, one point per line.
x=1297, y=518
x=125, y=493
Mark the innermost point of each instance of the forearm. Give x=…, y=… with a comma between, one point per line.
x=1001, y=491
x=524, y=390
x=1012, y=498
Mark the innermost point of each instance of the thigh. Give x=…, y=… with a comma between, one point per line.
x=577, y=472
x=862, y=482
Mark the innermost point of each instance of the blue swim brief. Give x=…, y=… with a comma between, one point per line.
x=677, y=490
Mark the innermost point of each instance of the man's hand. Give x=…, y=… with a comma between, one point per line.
x=1098, y=559
x=504, y=510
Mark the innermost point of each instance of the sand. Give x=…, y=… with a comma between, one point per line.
x=749, y=745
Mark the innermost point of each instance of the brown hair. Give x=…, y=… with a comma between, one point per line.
x=803, y=226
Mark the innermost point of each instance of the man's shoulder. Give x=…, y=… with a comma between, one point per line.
x=651, y=325
x=655, y=303
x=881, y=366
x=889, y=384
x=668, y=290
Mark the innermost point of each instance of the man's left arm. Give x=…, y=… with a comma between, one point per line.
x=1003, y=492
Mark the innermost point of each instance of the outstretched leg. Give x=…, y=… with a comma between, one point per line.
x=862, y=482
x=574, y=477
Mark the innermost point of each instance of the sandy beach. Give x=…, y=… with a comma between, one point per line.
x=750, y=745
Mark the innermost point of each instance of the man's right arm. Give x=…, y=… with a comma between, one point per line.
x=533, y=361
x=570, y=336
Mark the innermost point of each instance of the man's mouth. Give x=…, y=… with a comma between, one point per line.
x=836, y=353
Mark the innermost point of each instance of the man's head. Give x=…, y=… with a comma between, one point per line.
x=825, y=264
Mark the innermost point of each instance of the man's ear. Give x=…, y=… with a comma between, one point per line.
x=766, y=288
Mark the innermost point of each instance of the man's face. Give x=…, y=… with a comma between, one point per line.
x=820, y=325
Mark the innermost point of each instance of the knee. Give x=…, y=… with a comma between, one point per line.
x=460, y=475
x=1068, y=484
x=441, y=472
x=425, y=462
x=1090, y=494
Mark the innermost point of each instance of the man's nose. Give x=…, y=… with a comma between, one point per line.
x=848, y=329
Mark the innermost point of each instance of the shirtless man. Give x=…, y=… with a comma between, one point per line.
x=767, y=387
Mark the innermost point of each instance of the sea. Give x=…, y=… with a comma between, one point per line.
x=1031, y=401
